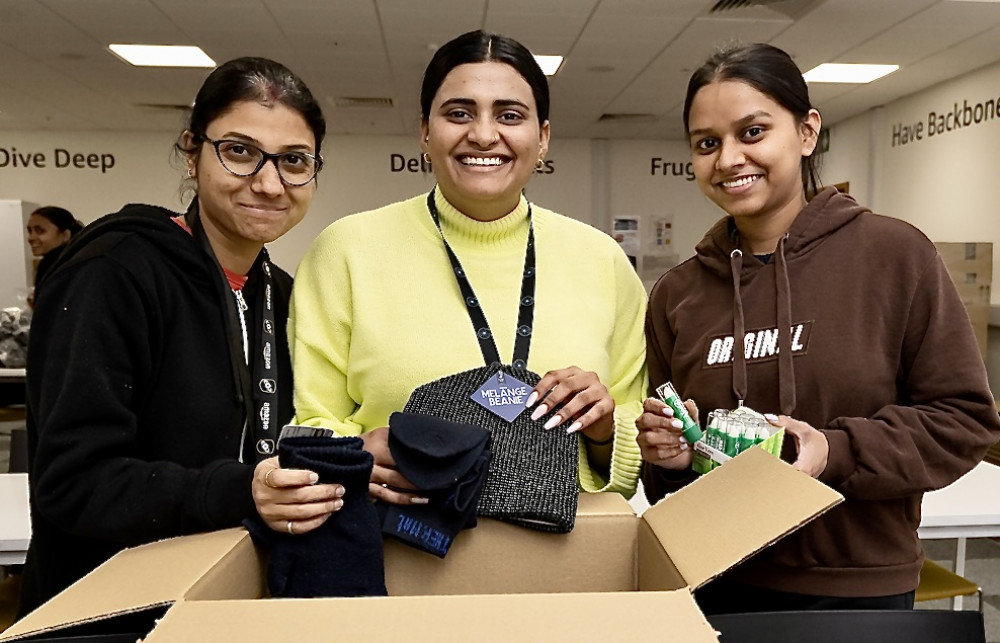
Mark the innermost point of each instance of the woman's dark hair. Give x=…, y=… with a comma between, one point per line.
x=770, y=71
x=481, y=47
x=60, y=218
x=252, y=79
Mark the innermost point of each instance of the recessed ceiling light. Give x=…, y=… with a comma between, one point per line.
x=837, y=73
x=162, y=55
x=549, y=64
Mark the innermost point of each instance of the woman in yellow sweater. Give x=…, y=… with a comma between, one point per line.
x=380, y=308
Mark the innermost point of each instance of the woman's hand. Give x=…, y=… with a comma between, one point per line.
x=811, y=445
x=290, y=500
x=577, y=396
x=387, y=483
x=660, y=439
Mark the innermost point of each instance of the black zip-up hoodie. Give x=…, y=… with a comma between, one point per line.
x=135, y=410
x=855, y=327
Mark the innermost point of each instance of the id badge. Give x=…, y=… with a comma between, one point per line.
x=503, y=395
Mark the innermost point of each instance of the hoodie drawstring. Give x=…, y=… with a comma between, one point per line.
x=739, y=330
x=783, y=313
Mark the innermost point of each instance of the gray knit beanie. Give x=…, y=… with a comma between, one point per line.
x=532, y=480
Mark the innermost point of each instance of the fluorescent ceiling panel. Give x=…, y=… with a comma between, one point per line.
x=162, y=55
x=838, y=73
x=549, y=64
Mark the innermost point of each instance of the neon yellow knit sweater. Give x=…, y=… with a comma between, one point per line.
x=376, y=312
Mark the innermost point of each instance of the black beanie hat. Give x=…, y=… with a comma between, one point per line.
x=448, y=462
x=532, y=479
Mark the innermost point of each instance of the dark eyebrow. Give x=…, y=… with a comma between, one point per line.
x=251, y=140
x=743, y=122
x=503, y=102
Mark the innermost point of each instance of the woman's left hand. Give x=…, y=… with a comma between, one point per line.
x=578, y=397
x=811, y=445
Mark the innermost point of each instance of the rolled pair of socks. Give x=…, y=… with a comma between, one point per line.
x=532, y=480
x=343, y=556
x=448, y=463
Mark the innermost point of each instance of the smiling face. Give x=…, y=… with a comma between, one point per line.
x=747, y=150
x=43, y=235
x=240, y=214
x=484, y=138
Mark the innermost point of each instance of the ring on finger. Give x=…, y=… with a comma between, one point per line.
x=291, y=531
x=385, y=485
x=267, y=477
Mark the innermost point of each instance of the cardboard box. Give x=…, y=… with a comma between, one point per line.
x=615, y=577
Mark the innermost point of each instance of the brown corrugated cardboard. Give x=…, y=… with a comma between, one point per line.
x=712, y=524
x=597, y=617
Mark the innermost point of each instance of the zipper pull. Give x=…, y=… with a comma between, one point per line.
x=242, y=303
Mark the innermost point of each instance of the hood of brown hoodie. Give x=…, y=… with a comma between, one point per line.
x=722, y=251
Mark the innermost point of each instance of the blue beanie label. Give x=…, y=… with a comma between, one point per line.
x=503, y=395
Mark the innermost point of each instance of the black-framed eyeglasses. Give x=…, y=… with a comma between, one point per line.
x=244, y=159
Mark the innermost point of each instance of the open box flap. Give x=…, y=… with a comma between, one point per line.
x=735, y=511
x=618, y=616
x=135, y=579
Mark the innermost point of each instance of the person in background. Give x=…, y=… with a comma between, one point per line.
x=145, y=418
x=49, y=230
x=875, y=374
x=377, y=311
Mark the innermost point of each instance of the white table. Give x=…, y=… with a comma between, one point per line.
x=15, y=525
x=967, y=508
x=12, y=374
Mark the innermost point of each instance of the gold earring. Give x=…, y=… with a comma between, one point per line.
x=190, y=172
x=427, y=158
x=540, y=165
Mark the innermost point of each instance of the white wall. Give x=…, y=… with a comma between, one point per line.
x=942, y=182
x=361, y=172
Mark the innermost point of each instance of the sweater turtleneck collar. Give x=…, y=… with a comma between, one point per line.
x=461, y=230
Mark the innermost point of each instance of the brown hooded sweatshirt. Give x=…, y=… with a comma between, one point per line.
x=855, y=327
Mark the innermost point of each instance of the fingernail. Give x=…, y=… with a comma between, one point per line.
x=677, y=424
x=684, y=440
x=669, y=412
x=540, y=411
x=553, y=422
x=531, y=399
x=771, y=417
x=339, y=492
x=419, y=501
x=576, y=426
x=313, y=478
x=684, y=446
x=337, y=504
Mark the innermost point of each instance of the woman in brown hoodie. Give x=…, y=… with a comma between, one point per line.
x=875, y=373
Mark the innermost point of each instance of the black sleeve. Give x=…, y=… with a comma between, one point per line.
x=91, y=357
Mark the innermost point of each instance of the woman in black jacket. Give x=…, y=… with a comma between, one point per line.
x=158, y=373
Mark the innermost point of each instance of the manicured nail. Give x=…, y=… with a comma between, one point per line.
x=553, y=422
x=684, y=447
x=677, y=424
x=339, y=492
x=669, y=412
x=576, y=426
x=771, y=417
x=531, y=400
x=337, y=504
x=313, y=478
x=684, y=440
x=419, y=501
x=540, y=411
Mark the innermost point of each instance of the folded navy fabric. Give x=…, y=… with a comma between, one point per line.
x=342, y=557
